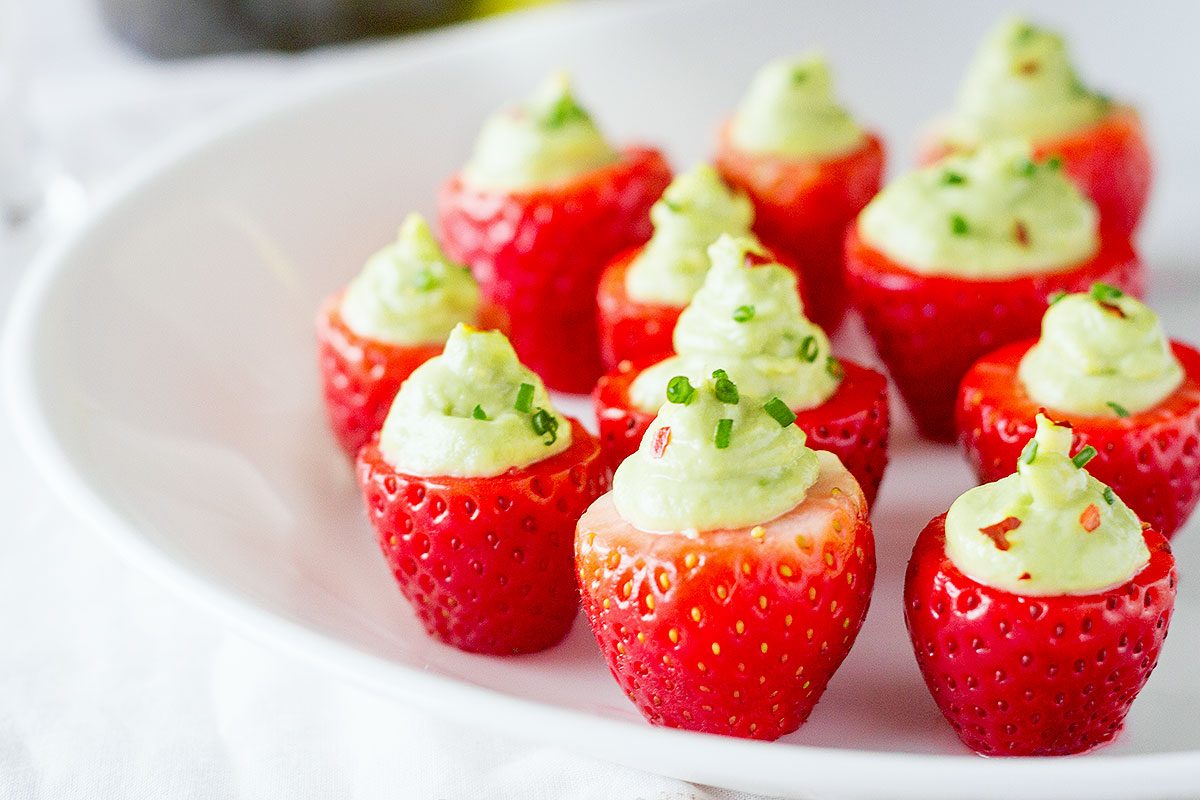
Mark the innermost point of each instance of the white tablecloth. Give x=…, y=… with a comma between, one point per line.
x=110, y=686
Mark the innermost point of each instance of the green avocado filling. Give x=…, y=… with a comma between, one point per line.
x=1022, y=84
x=1049, y=529
x=473, y=412
x=547, y=141
x=1102, y=354
x=991, y=214
x=694, y=210
x=714, y=457
x=790, y=110
x=410, y=293
x=747, y=320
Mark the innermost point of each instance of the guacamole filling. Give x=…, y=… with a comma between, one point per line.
x=1050, y=528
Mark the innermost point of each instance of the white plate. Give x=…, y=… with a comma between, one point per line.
x=160, y=370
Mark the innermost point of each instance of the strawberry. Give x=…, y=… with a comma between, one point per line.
x=1018, y=675
x=1109, y=162
x=1151, y=459
x=852, y=424
x=640, y=333
x=929, y=329
x=360, y=376
x=487, y=562
x=539, y=254
x=803, y=208
x=731, y=631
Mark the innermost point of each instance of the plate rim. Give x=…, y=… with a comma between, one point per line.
x=915, y=775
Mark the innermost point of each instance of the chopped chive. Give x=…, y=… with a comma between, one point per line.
x=1056, y=296
x=835, y=368
x=724, y=433
x=1024, y=34
x=1029, y=452
x=719, y=373
x=1120, y=410
x=478, y=412
x=958, y=225
x=564, y=111
x=1109, y=497
x=799, y=76
x=425, y=280
x=809, y=349
x=1085, y=455
x=780, y=412
x=726, y=390
x=680, y=390
x=671, y=205
x=524, y=402
x=1105, y=293
x=952, y=178
x=543, y=423
x=1025, y=168
x=743, y=313
x=1054, y=162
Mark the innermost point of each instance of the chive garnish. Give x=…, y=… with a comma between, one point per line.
x=1029, y=452
x=478, y=412
x=952, y=178
x=719, y=373
x=543, y=423
x=1085, y=455
x=835, y=368
x=724, y=433
x=680, y=390
x=1109, y=497
x=1056, y=296
x=1120, y=410
x=524, y=402
x=564, y=110
x=1054, y=162
x=1025, y=168
x=743, y=313
x=425, y=280
x=725, y=390
x=780, y=412
x=1105, y=293
x=671, y=205
x=799, y=76
x=809, y=349
x=958, y=225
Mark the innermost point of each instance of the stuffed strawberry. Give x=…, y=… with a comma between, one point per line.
x=643, y=291
x=1038, y=605
x=544, y=204
x=808, y=167
x=747, y=316
x=1103, y=364
x=392, y=318
x=1022, y=85
x=954, y=260
x=474, y=486
x=727, y=574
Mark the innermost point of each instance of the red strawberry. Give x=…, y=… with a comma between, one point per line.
x=539, y=255
x=929, y=329
x=803, y=208
x=731, y=631
x=360, y=376
x=1151, y=459
x=852, y=424
x=1021, y=675
x=1109, y=162
x=487, y=562
x=640, y=333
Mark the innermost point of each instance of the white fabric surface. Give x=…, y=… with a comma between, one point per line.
x=110, y=686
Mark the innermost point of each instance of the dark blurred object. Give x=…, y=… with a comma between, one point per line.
x=177, y=28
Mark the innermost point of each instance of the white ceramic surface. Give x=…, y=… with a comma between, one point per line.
x=159, y=367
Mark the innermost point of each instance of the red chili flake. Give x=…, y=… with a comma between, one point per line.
x=998, y=533
x=662, y=438
x=1090, y=518
x=1024, y=576
x=1062, y=423
x=1021, y=234
x=1145, y=526
x=754, y=259
x=1113, y=309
